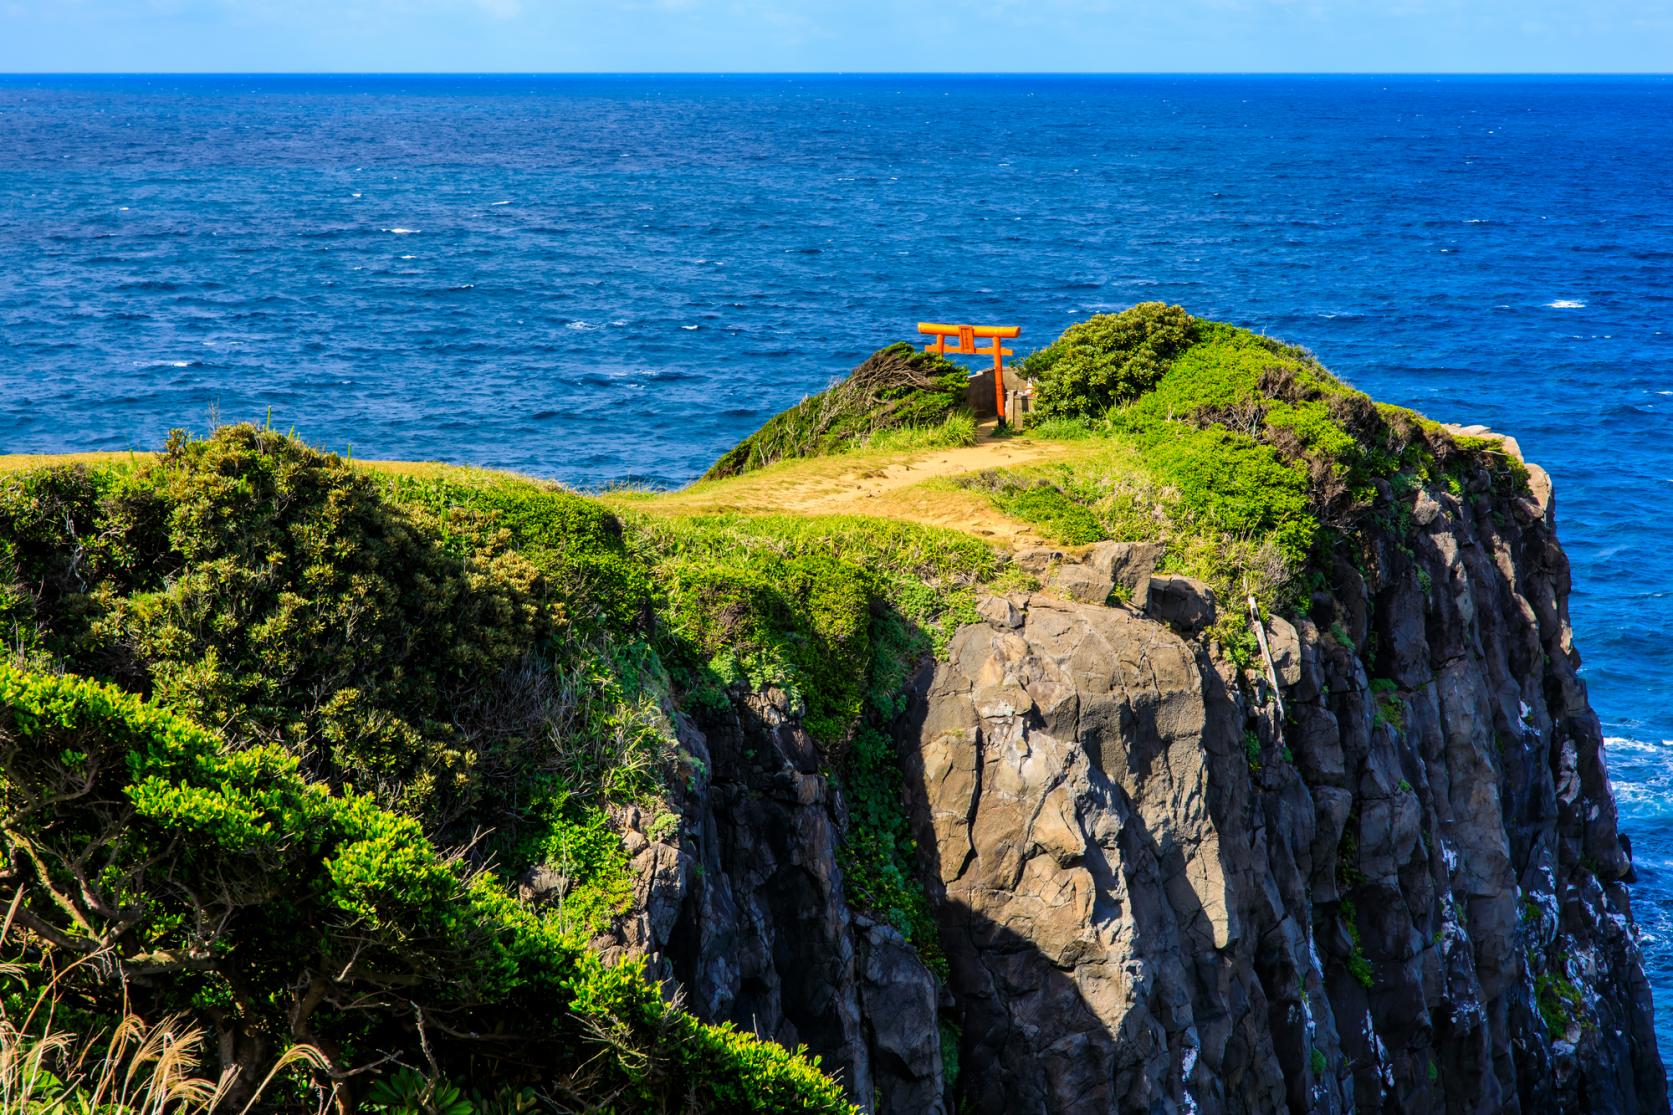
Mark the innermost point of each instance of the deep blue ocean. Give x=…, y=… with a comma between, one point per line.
x=615, y=278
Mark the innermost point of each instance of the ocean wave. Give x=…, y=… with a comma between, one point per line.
x=1566, y=304
x=1642, y=746
x=404, y=231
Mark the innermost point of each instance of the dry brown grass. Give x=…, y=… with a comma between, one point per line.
x=911, y=486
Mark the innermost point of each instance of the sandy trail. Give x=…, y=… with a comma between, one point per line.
x=885, y=485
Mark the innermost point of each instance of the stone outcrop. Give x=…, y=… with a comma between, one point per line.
x=1406, y=895
x=1157, y=894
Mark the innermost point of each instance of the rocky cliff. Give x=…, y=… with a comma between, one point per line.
x=1374, y=868
x=1216, y=746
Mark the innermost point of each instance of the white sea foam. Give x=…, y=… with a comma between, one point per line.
x=578, y=325
x=1567, y=304
x=403, y=231
x=1642, y=746
x=690, y=327
x=409, y=257
x=492, y=203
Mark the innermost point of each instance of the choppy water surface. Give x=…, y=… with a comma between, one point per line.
x=598, y=279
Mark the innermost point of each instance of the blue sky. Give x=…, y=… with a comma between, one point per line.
x=850, y=35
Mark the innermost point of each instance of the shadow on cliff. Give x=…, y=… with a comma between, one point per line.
x=1081, y=980
x=1080, y=1000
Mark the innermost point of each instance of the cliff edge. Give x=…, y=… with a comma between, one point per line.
x=1215, y=745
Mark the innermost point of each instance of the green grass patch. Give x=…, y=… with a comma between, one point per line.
x=953, y=432
x=1558, y=1001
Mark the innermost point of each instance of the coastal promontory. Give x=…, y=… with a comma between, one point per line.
x=1215, y=742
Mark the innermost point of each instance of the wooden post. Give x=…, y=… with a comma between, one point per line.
x=999, y=381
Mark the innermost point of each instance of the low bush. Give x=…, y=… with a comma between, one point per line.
x=158, y=871
x=1107, y=359
x=896, y=389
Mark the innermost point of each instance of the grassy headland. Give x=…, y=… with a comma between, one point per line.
x=278, y=733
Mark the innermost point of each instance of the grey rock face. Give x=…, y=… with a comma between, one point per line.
x=1063, y=783
x=1157, y=895
x=1185, y=604
x=742, y=911
x=1037, y=560
x=1406, y=896
x=1082, y=583
x=1128, y=564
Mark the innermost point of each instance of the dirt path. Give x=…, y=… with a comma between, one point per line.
x=887, y=485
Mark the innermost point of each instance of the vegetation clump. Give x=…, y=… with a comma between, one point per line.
x=1559, y=1001
x=905, y=397
x=1359, y=966
x=1107, y=359
x=191, y=877
x=398, y=667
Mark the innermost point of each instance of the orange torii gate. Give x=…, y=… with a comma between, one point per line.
x=965, y=336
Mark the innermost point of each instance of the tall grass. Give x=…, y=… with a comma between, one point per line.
x=953, y=432
x=130, y=1068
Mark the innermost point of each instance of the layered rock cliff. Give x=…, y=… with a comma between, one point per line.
x=1218, y=746
x=1376, y=868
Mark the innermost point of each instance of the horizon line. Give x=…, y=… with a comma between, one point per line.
x=842, y=73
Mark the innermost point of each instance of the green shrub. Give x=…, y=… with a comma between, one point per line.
x=1107, y=359
x=151, y=850
x=464, y=647
x=799, y=623
x=897, y=388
